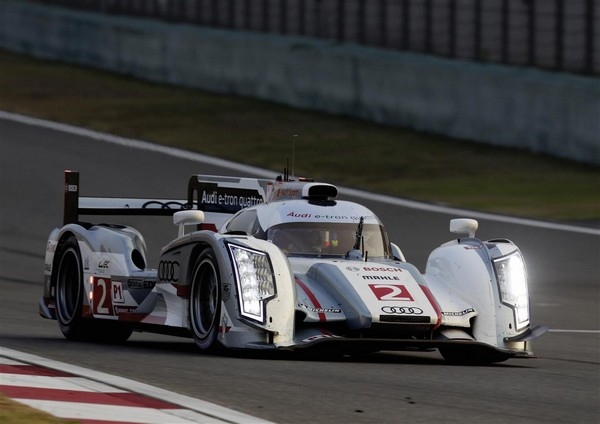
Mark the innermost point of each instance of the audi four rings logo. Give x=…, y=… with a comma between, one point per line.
x=168, y=271
x=402, y=310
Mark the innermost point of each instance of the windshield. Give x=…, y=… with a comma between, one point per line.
x=327, y=239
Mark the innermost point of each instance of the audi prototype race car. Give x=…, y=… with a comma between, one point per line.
x=283, y=265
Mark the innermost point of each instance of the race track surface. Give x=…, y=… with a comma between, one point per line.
x=560, y=385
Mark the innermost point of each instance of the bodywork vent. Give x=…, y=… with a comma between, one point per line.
x=404, y=319
x=320, y=191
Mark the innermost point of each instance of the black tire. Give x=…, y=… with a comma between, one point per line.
x=69, y=291
x=69, y=301
x=471, y=355
x=205, y=301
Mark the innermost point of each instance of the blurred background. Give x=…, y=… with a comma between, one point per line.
x=438, y=80
x=551, y=34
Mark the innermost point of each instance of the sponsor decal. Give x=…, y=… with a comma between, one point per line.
x=124, y=309
x=225, y=199
x=299, y=215
x=224, y=327
x=382, y=273
x=381, y=269
x=172, y=204
x=458, y=314
x=134, y=283
x=381, y=277
x=393, y=292
x=103, y=266
x=312, y=298
x=401, y=310
x=346, y=218
x=320, y=310
x=213, y=198
x=329, y=217
x=290, y=193
x=51, y=247
x=117, y=292
x=319, y=337
x=86, y=263
x=168, y=271
x=225, y=292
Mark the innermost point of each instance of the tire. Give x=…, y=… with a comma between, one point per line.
x=205, y=301
x=69, y=291
x=69, y=302
x=464, y=355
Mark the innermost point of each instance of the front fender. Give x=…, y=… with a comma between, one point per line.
x=464, y=272
x=236, y=330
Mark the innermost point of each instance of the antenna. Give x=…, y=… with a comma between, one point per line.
x=293, y=154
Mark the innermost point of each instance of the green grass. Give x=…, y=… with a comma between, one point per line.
x=335, y=149
x=12, y=412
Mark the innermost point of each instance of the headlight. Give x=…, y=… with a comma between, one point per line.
x=255, y=280
x=512, y=281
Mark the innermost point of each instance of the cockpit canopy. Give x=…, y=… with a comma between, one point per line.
x=313, y=229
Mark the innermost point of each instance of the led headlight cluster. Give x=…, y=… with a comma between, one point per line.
x=255, y=280
x=512, y=281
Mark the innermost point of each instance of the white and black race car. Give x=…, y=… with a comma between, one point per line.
x=283, y=265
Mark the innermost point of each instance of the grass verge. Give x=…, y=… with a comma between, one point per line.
x=335, y=149
x=12, y=412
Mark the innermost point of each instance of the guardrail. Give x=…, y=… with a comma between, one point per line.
x=551, y=34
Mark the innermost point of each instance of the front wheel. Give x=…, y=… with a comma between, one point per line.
x=205, y=300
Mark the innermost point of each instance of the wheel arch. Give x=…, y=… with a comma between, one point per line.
x=197, y=249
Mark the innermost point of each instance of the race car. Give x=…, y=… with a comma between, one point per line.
x=282, y=265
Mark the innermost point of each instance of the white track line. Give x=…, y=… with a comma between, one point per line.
x=58, y=383
x=110, y=413
x=264, y=173
x=211, y=411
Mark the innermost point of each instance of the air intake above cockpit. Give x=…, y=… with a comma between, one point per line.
x=319, y=191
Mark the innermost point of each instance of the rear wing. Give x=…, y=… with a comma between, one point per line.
x=219, y=198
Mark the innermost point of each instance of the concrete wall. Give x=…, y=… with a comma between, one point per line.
x=530, y=109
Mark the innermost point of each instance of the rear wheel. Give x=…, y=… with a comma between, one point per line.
x=205, y=300
x=69, y=288
x=69, y=301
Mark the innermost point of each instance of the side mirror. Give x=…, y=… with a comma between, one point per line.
x=189, y=217
x=464, y=226
x=398, y=253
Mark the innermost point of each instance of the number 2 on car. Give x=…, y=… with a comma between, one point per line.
x=101, y=298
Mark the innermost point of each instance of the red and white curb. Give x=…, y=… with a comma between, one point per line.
x=92, y=397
